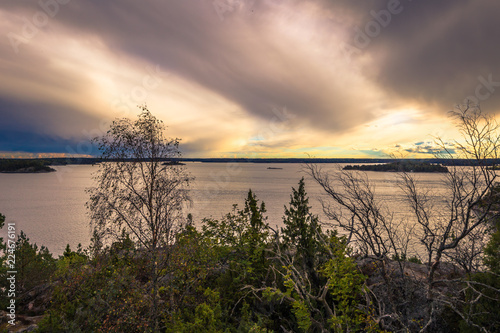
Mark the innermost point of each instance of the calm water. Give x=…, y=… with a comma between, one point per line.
x=50, y=208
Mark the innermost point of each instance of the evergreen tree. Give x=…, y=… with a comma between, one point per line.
x=302, y=230
x=34, y=265
x=319, y=283
x=257, y=231
x=484, y=298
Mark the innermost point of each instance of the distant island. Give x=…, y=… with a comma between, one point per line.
x=399, y=166
x=24, y=166
x=173, y=162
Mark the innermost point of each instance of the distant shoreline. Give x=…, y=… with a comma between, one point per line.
x=94, y=160
x=29, y=170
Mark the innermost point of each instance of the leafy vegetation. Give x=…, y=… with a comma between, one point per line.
x=227, y=276
x=484, y=299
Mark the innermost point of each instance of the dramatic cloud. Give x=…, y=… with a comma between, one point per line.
x=434, y=51
x=353, y=77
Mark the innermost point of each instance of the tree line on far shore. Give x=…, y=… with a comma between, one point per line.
x=24, y=166
x=400, y=166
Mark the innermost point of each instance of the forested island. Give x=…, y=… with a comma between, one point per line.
x=25, y=166
x=400, y=166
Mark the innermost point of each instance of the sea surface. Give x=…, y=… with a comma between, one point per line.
x=50, y=207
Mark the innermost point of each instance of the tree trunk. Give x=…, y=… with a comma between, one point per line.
x=154, y=291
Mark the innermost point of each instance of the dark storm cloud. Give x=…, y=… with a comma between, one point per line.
x=32, y=142
x=38, y=102
x=32, y=127
x=437, y=52
x=41, y=117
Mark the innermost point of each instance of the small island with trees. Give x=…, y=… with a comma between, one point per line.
x=400, y=166
x=25, y=166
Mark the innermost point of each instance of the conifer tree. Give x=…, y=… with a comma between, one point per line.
x=302, y=229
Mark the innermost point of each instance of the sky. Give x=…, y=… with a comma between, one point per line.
x=246, y=78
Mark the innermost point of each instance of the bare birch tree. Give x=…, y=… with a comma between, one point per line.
x=138, y=191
